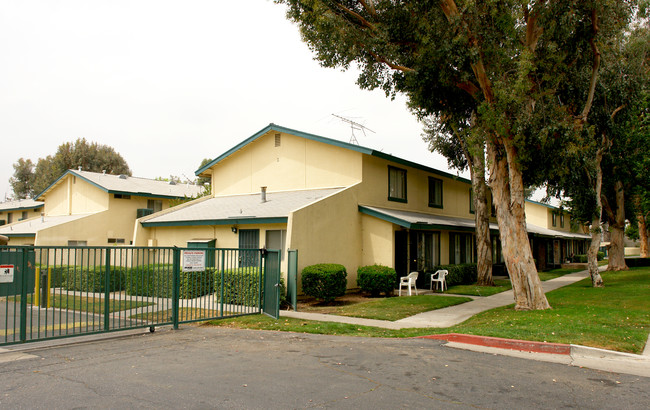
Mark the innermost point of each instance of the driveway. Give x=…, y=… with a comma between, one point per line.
x=204, y=367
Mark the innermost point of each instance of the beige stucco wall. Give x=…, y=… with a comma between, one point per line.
x=74, y=196
x=378, y=237
x=541, y=215
x=328, y=231
x=298, y=163
x=374, y=192
x=17, y=215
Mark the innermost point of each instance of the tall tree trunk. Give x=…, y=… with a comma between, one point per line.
x=596, y=228
x=482, y=218
x=643, y=235
x=617, y=231
x=508, y=193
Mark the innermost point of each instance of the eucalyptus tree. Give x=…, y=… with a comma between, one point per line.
x=503, y=60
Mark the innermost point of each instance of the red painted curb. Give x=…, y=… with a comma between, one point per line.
x=512, y=344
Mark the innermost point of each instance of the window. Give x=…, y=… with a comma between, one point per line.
x=77, y=243
x=121, y=196
x=561, y=220
x=554, y=218
x=10, y=217
x=435, y=192
x=472, y=208
x=116, y=241
x=25, y=215
x=461, y=248
x=428, y=250
x=155, y=204
x=396, y=184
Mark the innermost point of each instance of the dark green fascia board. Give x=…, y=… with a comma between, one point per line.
x=20, y=235
x=110, y=191
x=279, y=128
x=232, y=221
x=21, y=208
x=421, y=167
x=409, y=225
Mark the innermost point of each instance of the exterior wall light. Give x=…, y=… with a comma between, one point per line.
x=234, y=229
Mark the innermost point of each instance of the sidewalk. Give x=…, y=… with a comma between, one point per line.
x=573, y=355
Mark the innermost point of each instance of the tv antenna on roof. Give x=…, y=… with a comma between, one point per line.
x=354, y=126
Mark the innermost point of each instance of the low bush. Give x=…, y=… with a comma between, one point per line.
x=462, y=274
x=158, y=281
x=88, y=278
x=324, y=281
x=375, y=279
x=579, y=259
x=600, y=256
x=241, y=286
x=637, y=262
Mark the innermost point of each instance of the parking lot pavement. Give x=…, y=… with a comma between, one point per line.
x=199, y=367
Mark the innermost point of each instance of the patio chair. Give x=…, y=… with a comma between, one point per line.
x=409, y=281
x=439, y=277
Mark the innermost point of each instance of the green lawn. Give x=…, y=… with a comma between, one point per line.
x=85, y=304
x=615, y=317
x=394, y=308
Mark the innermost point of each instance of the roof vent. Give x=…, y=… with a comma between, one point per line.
x=79, y=168
x=122, y=176
x=263, y=192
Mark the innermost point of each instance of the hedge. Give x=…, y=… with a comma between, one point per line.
x=241, y=285
x=584, y=258
x=375, y=279
x=158, y=281
x=325, y=281
x=87, y=278
x=637, y=262
x=463, y=274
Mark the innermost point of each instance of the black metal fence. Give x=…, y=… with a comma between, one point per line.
x=53, y=292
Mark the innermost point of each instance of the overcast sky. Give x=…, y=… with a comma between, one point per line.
x=168, y=83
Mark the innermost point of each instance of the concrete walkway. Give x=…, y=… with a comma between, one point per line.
x=446, y=317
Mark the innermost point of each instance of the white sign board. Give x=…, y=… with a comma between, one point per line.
x=6, y=273
x=193, y=261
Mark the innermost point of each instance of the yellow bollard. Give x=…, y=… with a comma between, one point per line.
x=37, y=287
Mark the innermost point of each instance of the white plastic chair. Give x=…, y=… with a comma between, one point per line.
x=408, y=280
x=439, y=277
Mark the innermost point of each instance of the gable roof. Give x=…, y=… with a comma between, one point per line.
x=128, y=185
x=20, y=204
x=240, y=209
x=325, y=140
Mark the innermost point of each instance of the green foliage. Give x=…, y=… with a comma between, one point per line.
x=89, y=279
x=462, y=274
x=376, y=279
x=91, y=157
x=22, y=181
x=241, y=286
x=632, y=232
x=325, y=281
x=158, y=281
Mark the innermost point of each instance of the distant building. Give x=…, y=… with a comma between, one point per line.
x=88, y=208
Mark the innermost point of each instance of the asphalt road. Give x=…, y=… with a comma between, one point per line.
x=201, y=367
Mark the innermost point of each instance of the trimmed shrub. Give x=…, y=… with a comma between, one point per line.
x=158, y=281
x=580, y=259
x=637, y=262
x=90, y=279
x=462, y=274
x=600, y=256
x=375, y=279
x=324, y=281
x=241, y=286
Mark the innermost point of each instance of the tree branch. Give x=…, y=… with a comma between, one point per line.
x=357, y=16
x=398, y=67
x=369, y=6
x=594, y=69
x=619, y=108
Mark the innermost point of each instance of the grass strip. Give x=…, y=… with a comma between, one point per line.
x=616, y=317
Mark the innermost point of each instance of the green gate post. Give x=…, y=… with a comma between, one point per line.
x=107, y=284
x=176, y=287
x=223, y=275
x=262, y=275
x=23, y=296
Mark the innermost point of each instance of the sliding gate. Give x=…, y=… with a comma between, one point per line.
x=55, y=292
